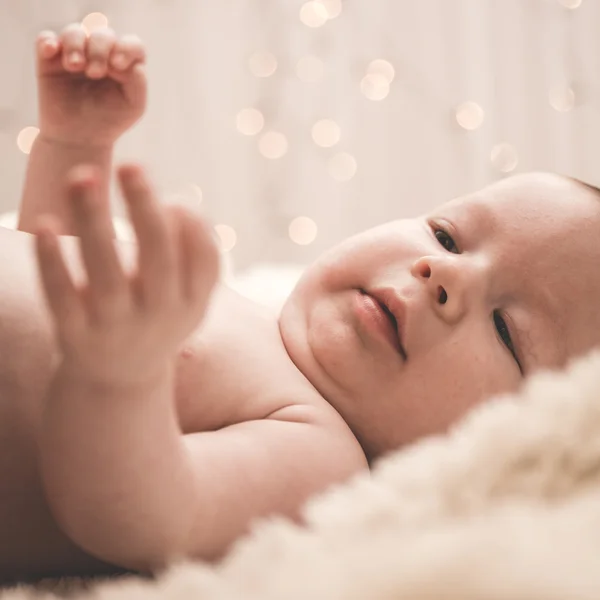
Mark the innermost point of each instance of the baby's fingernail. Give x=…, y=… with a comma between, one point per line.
x=50, y=44
x=75, y=58
x=120, y=61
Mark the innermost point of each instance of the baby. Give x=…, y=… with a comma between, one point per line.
x=151, y=414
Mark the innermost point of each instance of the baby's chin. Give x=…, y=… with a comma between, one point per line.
x=293, y=325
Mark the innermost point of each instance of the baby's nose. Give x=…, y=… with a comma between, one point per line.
x=423, y=269
x=444, y=285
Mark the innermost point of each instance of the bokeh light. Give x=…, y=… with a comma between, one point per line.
x=94, y=21
x=313, y=14
x=326, y=133
x=262, y=64
x=303, y=231
x=382, y=67
x=375, y=86
x=342, y=166
x=469, y=115
x=333, y=7
x=250, y=121
x=562, y=98
x=273, y=145
x=26, y=138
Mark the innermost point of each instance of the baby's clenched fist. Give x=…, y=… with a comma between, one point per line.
x=91, y=88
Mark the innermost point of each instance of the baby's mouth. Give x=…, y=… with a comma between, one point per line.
x=385, y=319
x=392, y=318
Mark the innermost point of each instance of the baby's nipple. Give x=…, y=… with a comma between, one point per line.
x=186, y=352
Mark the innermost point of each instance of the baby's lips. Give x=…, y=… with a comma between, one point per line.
x=392, y=301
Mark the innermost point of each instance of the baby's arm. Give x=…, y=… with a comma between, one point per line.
x=119, y=477
x=115, y=470
x=87, y=99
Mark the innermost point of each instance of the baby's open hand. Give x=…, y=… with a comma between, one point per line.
x=91, y=89
x=122, y=328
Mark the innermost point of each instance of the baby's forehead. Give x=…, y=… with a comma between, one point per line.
x=539, y=196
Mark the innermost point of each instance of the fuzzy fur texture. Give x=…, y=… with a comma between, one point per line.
x=504, y=507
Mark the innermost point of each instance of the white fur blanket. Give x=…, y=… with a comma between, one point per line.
x=505, y=507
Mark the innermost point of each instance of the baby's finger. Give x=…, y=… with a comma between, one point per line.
x=60, y=291
x=127, y=50
x=73, y=39
x=134, y=84
x=157, y=258
x=199, y=257
x=107, y=281
x=47, y=44
x=99, y=48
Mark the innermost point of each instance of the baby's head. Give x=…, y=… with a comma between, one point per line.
x=487, y=289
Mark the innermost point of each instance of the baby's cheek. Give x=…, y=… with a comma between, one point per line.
x=479, y=376
x=458, y=382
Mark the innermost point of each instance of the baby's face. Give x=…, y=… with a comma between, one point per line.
x=489, y=288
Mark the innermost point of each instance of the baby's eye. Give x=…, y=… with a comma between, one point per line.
x=445, y=240
x=504, y=334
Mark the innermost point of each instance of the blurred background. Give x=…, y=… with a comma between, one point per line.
x=295, y=123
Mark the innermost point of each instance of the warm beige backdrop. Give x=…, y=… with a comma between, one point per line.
x=532, y=66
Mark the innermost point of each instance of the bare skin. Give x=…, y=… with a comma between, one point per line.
x=253, y=388
x=196, y=426
x=231, y=411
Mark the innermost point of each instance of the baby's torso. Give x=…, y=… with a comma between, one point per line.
x=233, y=369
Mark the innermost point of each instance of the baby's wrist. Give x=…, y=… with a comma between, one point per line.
x=65, y=154
x=70, y=144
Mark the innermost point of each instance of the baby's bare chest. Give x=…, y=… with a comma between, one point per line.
x=235, y=368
